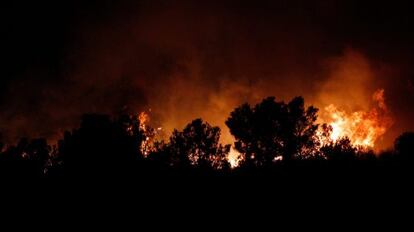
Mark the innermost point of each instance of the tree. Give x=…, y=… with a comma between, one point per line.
x=101, y=145
x=273, y=129
x=38, y=154
x=404, y=146
x=341, y=150
x=198, y=145
x=160, y=158
x=27, y=159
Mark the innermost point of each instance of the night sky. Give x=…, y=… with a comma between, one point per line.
x=187, y=59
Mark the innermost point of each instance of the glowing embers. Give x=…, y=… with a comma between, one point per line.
x=148, y=135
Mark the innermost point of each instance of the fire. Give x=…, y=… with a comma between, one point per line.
x=143, y=119
x=145, y=145
x=150, y=134
x=234, y=158
x=363, y=128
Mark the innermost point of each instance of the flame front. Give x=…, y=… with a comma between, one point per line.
x=363, y=128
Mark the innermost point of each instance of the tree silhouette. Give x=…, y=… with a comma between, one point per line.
x=12, y=162
x=273, y=129
x=125, y=146
x=160, y=158
x=198, y=145
x=101, y=145
x=27, y=159
x=404, y=146
x=341, y=150
x=38, y=154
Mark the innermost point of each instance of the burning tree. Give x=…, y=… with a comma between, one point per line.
x=266, y=133
x=273, y=129
x=136, y=126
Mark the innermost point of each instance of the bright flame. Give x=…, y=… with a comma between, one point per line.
x=143, y=119
x=150, y=134
x=234, y=158
x=363, y=128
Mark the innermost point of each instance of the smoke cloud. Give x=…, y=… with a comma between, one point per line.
x=183, y=60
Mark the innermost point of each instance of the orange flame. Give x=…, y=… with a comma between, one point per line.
x=234, y=158
x=363, y=128
x=143, y=119
x=150, y=134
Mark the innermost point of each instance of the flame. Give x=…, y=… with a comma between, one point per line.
x=145, y=147
x=143, y=118
x=150, y=134
x=363, y=128
x=234, y=158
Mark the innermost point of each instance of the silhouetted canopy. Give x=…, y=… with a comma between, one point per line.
x=272, y=129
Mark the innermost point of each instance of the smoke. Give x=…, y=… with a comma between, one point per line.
x=353, y=101
x=350, y=81
x=186, y=60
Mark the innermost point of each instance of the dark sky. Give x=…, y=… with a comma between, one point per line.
x=185, y=59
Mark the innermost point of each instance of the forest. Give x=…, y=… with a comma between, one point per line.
x=272, y=139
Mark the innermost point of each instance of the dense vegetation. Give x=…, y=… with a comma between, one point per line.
x=272, y=137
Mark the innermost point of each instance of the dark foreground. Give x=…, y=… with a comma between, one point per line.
x=299, y=177
x=296, y=194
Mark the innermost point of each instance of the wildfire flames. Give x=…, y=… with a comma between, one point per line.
x=363, y=128
x=143, y=119
x=150, y=134
x=234, y=158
